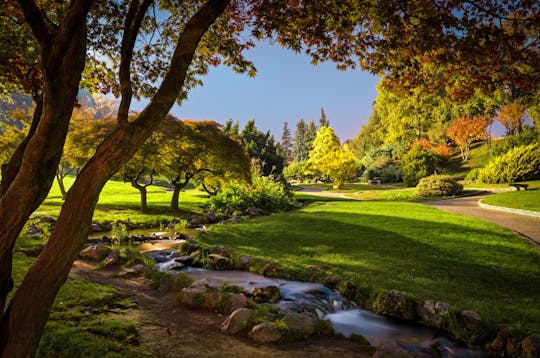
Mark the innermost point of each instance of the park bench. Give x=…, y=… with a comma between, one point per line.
x=374, y=181
x=519, y=186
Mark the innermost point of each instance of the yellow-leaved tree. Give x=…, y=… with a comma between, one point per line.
x=330, y=158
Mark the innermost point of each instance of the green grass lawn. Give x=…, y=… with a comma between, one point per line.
x=525, y=200
x=119, y=201
x=418, y=250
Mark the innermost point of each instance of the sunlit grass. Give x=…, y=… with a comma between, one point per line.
x=525, y=200
x=418, y=250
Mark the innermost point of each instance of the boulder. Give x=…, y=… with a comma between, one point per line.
x=166, y=283
x=34, y=232
x=431, y=313
x=95, y=252
x=332, y=282
x=197, y=258
x=472, y=321
x=303, y=322
x=395, y=304
x=236, y=301
x=266, y=332
x=211, y=217
x=254, y=211
x=241, y=263
x=47, y=220
x=499, y=343
x=200, y=295
x=237, y=321
x=185, y=260
x=95, y=227
x=512, y=346
x=220, y=250
x=133, y=271
x=271, y=269
x=219, y=262
x=531, y=347
x=267, y=294
x=111, y=259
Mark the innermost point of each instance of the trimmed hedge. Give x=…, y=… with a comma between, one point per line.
x=518, y=164
x=438, y=185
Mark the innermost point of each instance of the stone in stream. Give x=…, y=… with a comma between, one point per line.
x=395, y=304
x=236, y=301
x=498, y=345
x=186, y=260
x=431, y=313
x=271, y=269
x=219, y=262
x=267, y=294
x=265, y=333
x=303, y=322
x=95, y=227
x=95, y=252
x=237, y=321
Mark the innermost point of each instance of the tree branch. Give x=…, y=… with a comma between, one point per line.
x=35, y=21
x=134, y=19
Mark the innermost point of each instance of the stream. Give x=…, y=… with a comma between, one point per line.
x=346, y=317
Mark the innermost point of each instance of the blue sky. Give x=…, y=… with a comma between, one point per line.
x=287, y=87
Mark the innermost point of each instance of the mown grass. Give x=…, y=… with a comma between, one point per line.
x=525, y=200
x=533, y=184
x=418, y=250
x=120, y=201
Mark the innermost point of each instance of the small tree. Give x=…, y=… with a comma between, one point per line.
x=464, y=131
x=418, y=163
x=331, y=159
x=286, y=142
x=323, y=121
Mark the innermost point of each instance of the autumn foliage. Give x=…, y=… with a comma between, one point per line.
x=466, y=130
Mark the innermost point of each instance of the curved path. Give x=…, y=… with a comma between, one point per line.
x=526, y=226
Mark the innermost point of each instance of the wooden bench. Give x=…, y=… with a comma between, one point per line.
x=519, y=186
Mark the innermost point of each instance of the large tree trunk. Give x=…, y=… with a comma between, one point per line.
x=29, y=182
x=142, y=192
x=22, y=324
x=176, y=196
x=60, y=181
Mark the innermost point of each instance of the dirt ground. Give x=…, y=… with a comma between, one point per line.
x=170, y=330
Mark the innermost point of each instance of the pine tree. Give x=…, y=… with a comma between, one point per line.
x=323, y=121
x=311, y=133
x=299, y=150
x=286, y=142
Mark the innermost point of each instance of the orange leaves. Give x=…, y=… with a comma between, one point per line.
x=465, y=130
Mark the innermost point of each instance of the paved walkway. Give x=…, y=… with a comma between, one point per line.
x=526, y=226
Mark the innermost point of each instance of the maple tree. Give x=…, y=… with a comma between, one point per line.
x=466, y=130
x=511, y=116
x=122, y=47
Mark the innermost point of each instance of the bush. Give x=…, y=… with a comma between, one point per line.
x=438, y=185
x=416, y=164
x=518, y=164
x=472, y=176
x=263, y=193
x=384, y=168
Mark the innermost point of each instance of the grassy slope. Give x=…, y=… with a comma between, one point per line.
x=418, y=250
x=526, y=200
x=119, y=201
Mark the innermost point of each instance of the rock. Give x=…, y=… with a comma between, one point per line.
x=47, y=220
x=95, y=227
x=499, y=343
x=254, y=211
x=95, y=252
x=111, y=259
x=166, y=283
x=241, y=263
x=303, y=322
x=133, y=271
x=271, y=269
x=267, y=294
x=200, y=295
x=430, y=312
x=265, y=332
x=512, y=346
x=219, y=262
x=220, y=250
x=236, y=218
x=211, y=216
x=236, y=301
x=197, y=258
x=34, y=232
x=185, y=260
x=395, y=304
x=390, y=349
x=531, y=347
x=332, y=282
x=237, y=321
x=472, y=321
x=200, y=283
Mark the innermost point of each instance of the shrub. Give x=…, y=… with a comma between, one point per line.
x=384, y=168
x=263, y=193
x=472, y=176
x=438, y=185
x=518, y=164
x=416, y=164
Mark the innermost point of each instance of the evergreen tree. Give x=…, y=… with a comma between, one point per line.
x=231, y=128
x=262, y=147
x=323, y=121
x=311, y=134
x=299, y=150
x=286, y=142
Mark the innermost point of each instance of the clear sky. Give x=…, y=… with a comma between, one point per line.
x=287, y=87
